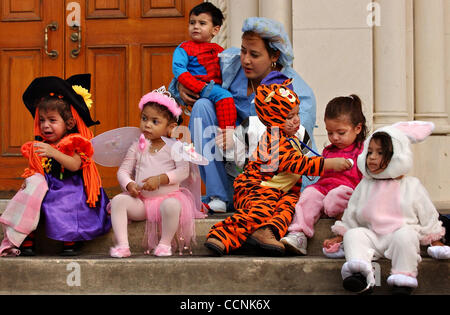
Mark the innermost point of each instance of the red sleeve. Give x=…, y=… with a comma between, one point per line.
x=190, y=82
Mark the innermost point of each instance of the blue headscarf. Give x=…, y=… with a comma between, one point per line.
x=275, y=33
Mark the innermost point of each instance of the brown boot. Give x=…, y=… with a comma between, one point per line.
x=265, y=239
x=215, y=245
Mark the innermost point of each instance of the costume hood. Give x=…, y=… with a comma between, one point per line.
x=403, y=134
x=274, y=99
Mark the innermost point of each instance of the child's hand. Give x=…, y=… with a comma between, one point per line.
x=188, y=97
x=45, y=149
x=71, y=163
x=337, y=164
x=331, y=241
x=333, y=248
x=132, y=188
x=151, y=183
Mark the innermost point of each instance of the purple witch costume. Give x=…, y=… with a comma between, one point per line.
x=66, y=214
x=72, y=204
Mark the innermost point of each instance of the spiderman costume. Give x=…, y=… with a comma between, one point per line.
x=197, y=64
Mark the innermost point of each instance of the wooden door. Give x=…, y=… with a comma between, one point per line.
x=22, y=58
x=126, y=45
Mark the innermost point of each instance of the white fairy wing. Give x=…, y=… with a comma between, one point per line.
x=111, y=146
x=185, y=152
x=182, y=151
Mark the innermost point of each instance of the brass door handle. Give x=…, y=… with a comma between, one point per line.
x=53, y=26
x=76, y=37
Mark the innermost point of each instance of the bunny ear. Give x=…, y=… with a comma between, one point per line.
x=416, y=131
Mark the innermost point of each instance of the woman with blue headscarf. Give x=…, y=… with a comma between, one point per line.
x=265, y=48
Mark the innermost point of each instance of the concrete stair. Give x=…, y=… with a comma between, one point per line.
x=94, y=272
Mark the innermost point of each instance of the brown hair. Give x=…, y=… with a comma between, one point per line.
x=165, y=112
x=351, y=107
x=385, y=142
x=272, y=52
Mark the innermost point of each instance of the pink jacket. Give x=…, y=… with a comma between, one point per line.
x=331, y=179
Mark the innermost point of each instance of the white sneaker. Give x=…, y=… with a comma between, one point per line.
x=295, y=242
x=217, y=205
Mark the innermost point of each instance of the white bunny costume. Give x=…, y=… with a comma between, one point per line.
x=390, y=214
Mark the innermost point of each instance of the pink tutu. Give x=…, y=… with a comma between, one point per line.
x=185, y=236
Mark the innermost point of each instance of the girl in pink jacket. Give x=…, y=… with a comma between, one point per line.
x=346, y=127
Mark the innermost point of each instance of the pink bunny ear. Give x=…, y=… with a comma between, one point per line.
x=416, y=130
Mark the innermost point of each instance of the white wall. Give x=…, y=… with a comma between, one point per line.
x=334, y=52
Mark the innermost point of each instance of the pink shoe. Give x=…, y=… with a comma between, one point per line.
x=120, y=251
x=163, y=250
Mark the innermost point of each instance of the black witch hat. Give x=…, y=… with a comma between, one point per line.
x=44, y=86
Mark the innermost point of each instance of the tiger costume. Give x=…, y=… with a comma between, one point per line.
x=269, y=187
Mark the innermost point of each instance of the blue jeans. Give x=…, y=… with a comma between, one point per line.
x=203, y=128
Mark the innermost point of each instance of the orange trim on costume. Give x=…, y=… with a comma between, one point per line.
x=34, y=161
x=82, y=128
x=91, y=177
x=37, y=127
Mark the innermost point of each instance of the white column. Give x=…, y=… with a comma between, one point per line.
x=279, y=10
x=222, y=38
x=430, y=63
x=390, y=77
x=238, y=11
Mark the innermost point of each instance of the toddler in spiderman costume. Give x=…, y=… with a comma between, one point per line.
x=195, y=63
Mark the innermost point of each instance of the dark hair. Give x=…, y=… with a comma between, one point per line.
x=59, y=104
x=165, y=112
x=351, y=107
x=272, y=51
x=211, y=9
x=385, y=142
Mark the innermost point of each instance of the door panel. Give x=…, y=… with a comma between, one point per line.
x=28, y=63
x=22, y=58
x=127, y=46
x=20, y=10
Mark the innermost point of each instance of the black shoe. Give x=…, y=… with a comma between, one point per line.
x=71, y=249
x=357, y=283
x=28, y=246
x=27, y=251
x=401, y=290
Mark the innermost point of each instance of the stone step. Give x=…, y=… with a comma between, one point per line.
x=94, y=272
x=136, y=231
x=230, y=275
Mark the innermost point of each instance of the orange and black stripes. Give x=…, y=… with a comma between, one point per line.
x=260, y=205
x=257, y=205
